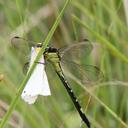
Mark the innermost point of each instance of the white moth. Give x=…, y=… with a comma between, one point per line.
x=38, y=82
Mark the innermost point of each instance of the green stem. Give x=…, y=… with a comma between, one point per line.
x=102, y=40
x=45, y=43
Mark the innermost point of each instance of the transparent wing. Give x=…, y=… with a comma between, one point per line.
x=86, y=74
x=23, y=46
x=22, y=49
x=77, y=51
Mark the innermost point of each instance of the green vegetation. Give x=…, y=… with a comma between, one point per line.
x=104, y=23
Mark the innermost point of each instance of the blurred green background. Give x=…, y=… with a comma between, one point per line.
x=101, y=21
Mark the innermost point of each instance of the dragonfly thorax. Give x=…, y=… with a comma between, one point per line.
x=51, y=54
x=52, y=57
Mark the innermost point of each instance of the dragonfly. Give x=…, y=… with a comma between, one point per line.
x=61, y=61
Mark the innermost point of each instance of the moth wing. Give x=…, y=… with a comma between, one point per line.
x=38, y=82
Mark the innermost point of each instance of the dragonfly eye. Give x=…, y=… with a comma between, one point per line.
x=53, y=50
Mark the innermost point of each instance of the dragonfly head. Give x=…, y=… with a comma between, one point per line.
x=51, y=50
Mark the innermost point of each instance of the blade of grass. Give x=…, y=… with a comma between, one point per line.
x=102, y=40
x=105, y=106
x=48, y=38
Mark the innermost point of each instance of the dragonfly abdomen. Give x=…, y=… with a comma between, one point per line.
x=73, y=97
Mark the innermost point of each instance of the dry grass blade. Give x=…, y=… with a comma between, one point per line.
x=33, y=20
x=16, y=119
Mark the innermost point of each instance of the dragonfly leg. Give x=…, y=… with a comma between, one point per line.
x=40, y=63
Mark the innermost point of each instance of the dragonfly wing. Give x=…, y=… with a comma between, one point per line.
x=19, y=42
x=21, y=46
x=38, y=82
x=21, y=49
x=86, y=74
x=77, y=51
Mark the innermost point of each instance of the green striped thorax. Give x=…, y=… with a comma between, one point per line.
x=52, y=55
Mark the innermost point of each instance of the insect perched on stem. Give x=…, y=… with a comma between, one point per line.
x=38, y=82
